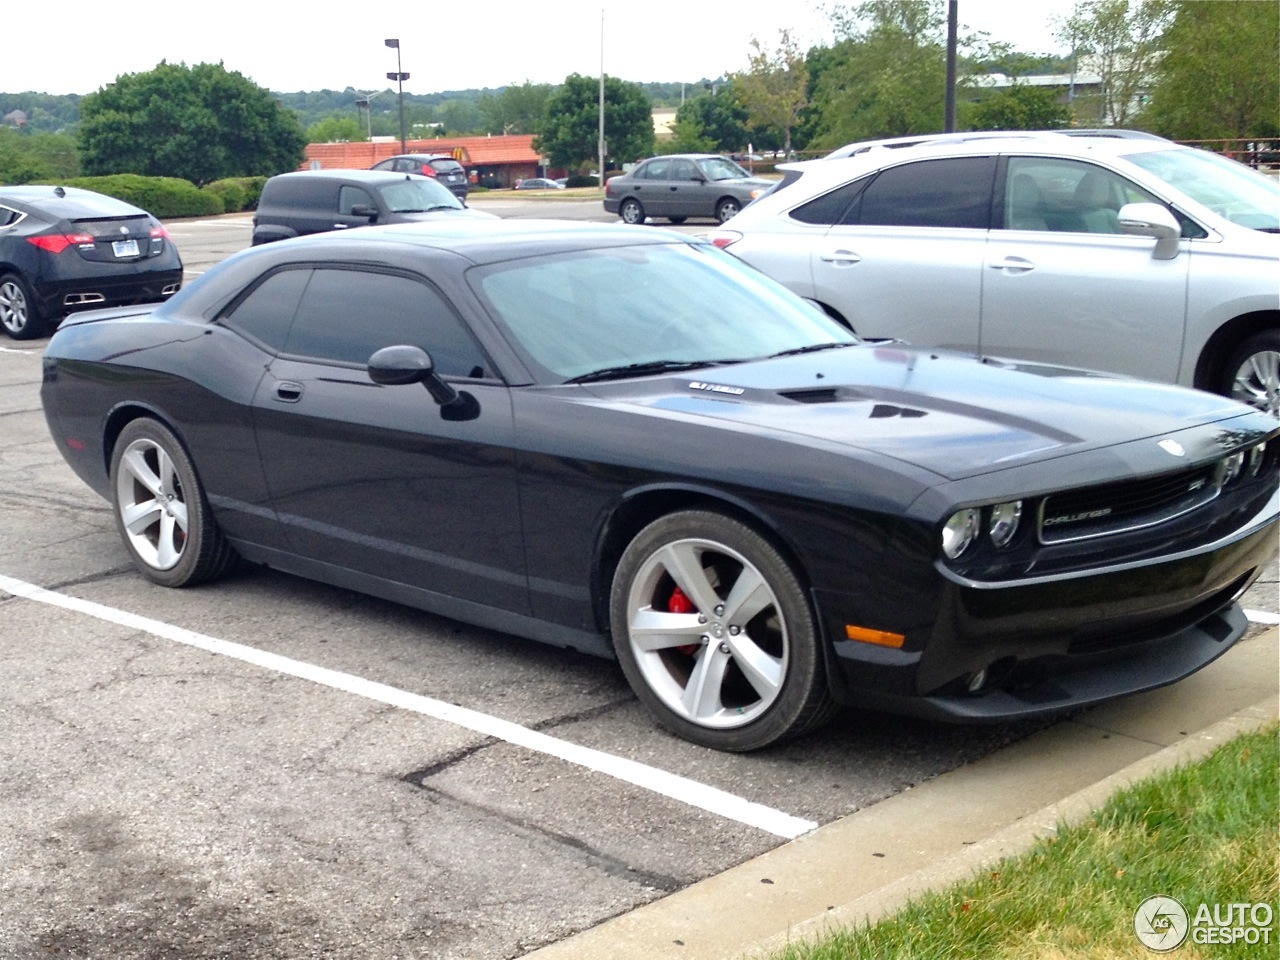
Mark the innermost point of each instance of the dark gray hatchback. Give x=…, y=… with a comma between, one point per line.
x=317, y=201
x=447, y=170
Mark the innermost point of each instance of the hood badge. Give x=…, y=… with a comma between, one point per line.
x=1173, y=447
x=716, y=388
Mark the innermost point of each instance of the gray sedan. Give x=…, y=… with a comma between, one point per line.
x=682, y=186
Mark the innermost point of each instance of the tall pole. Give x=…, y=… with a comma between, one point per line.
x=952, y=28
x=399, y=77
x=600, y=137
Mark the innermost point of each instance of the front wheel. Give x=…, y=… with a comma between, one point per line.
x=1252, y=372
x=715, y=634
x=19, y=315
x=161, y=511
x=726, y=208
x=631, y=211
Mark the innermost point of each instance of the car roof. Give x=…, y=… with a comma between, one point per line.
x=1048, y=136
x=418, y=156
x=353, y=176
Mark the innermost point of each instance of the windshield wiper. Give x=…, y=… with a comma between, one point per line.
x=640, y=369
x=811, y=348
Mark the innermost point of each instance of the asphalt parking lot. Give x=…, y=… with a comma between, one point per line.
x=270, y=768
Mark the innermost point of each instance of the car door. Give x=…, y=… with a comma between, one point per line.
x=1062, y=284
x=655, y=188
x=689, y=194
x=375, y=479
x=904, y=255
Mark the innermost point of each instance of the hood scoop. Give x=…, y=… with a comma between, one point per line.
x=879, y=411
x=814, y=395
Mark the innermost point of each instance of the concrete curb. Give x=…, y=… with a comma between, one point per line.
x=868, y=864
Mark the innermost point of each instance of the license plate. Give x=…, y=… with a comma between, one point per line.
x=125, y=248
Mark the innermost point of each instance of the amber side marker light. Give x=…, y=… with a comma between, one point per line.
x=880, y=638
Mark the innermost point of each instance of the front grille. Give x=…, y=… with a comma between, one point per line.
x=1131, y=505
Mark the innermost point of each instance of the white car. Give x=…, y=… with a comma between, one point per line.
x=1122, y=252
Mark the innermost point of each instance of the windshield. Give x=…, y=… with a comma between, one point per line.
x=414, y=195
x=578, y=313
x=722, y=168
x=1228, y=188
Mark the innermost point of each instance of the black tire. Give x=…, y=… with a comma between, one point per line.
x=19, y=313
x=161, y=511
x=1252, y=372
x=760, y=675
x=677, y=220
x=631, y=211
x=726, y=208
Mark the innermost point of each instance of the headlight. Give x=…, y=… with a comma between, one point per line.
x=1256, y=456
x=1005, y=518
x=1231, y=468
x=959, y=532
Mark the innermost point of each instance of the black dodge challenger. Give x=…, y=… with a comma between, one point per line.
x=631, y=444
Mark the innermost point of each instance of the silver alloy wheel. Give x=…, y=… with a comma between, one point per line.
x=152, y=504
x=727, y=209
x=15, y=314
x=1257, y=382
x=723, y=663
x=631, y=211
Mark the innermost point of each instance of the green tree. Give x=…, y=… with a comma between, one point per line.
x=513, y=109
x=335, y=130
x=35, y=157
x=1019, y=107
x=573, y=116
x=200, y=123
x=774, y=88
x=1121, y=42
x=459, y=117
x=1220, y=72
x=886, y=76
x=714, y=124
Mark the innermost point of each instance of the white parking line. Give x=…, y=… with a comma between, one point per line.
x=666, y=784
x=1262, y=616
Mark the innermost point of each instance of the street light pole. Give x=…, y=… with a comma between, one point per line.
x=399, y=77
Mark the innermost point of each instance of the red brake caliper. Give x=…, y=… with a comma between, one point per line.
x=679, y=602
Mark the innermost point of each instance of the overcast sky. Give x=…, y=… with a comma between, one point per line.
x=78, y=46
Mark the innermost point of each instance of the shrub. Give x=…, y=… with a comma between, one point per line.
x=582, y=180
x=163, y=197
x=237, y=193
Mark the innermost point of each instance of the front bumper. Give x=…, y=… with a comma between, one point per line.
x=1054, y=643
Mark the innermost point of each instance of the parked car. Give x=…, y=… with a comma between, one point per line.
x=316, y=201
x=64, y=249
x=632, y=445
x=681, y=186
x=539, y=183
x=1121, y=252
x=445, y=169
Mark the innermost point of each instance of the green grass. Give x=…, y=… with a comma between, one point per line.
x=1202, y=833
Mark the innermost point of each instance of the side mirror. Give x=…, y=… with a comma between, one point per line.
x=395, y=366
x=1152, y=220
x=364, y=210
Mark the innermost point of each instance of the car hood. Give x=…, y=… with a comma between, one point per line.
x=952, y=414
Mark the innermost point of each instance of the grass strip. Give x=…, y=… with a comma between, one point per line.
x=1204, y=833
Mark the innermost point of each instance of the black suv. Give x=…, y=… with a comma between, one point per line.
x=315, y=201
x=445, y=169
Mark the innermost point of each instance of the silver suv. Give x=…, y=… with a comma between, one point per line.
x=1126, y=253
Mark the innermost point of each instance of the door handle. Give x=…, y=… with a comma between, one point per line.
x=287, y=391
x=1013, y=264
x=841, y=256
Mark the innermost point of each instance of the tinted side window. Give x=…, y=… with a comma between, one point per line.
x=265, y=314
x=349, y=197
x=346, y=315
x=954, y=192
x=830, y=208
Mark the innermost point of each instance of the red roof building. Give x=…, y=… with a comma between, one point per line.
x=491, y=161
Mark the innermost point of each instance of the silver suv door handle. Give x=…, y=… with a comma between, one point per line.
x=841, y=256
x=1012, y=263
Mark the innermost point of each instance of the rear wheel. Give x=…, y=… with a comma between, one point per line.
x=715, y=634
x=161, y=511
x=631, y=211
x=1252, y=372
x=19, y=315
